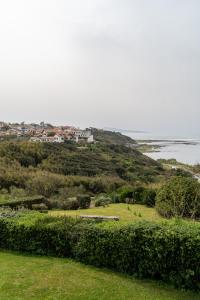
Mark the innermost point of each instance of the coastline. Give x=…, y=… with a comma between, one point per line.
x=185, y=150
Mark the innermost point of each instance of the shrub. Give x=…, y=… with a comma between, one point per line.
x=7, y=212
x=181, y=172
x=138, y=194
x=4, y=192
x=71, y=204
x=39, y=207
x=46, y=184
x=102, y=201
x=17, y=192
x=53, y=204
x=71, y=191
x=179, y=197
x=115, y=198
x=68, y=204
x=149, y=197
x=84, y=201
x=125, y=192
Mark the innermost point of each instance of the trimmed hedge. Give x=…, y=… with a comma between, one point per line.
x=158, y=251
x=163, y=252
x=26, y=202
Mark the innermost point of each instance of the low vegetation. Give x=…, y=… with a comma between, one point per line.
x=107, y=178
x=42, y=278
x=179, y=197
x=125, y=212
x=169, y=252
x=61, y=172
x=110, y=137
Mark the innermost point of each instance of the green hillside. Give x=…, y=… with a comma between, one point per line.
x=89, y=160
x=59, y=171
x=111, y=137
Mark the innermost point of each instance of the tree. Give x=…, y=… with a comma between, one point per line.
x=179, y=197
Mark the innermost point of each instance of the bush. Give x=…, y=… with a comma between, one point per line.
x=149, y=197
x=84, y=201
x=146, y=196
x=39, y=207
x=179, y=197
x=102, y=201
x=125, y=192
x=160, y=251
x=7, y=212
x=138, y=195
x=45, y=184
x=71, y=204
x=17, y=192
x=115, y=198
x=53, y=204
x=68, y=204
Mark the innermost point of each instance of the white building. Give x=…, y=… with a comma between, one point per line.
x=83, y=135
x=48, y=139
x=58, y=139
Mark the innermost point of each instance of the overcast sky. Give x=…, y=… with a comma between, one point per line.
x=131, y=64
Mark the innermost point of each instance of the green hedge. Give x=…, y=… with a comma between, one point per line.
x=158, y=251
x=138, y=195
x=26, y=202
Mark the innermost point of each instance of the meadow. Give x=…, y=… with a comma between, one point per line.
x=126, y=212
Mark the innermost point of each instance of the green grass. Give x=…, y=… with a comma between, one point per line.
x=131, y=212
x=31, y=277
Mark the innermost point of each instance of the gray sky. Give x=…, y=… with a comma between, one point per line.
x=127, y=64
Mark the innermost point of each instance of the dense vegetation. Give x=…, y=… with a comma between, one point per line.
x=161, y=251
x=89, y=160
x=110, y=137
x=179, y=197
x=62, y=171
x=44, y=176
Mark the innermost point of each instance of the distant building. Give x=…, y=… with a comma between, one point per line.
x=45, y=132
x=174, y=168
x=48, y=139
x=83, y=135
x=3, y=126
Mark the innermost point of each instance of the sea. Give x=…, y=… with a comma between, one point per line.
x=183, y=149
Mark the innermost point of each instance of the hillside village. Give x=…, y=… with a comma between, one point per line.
x=45, y=132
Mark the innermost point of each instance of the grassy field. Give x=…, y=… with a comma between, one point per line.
x=131, y=212
x=40, y=278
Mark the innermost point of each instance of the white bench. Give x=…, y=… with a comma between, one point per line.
x=114, y=218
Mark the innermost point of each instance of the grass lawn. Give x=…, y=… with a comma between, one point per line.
x=31, y=277
x=131, y=212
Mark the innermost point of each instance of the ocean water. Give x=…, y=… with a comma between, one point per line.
x=183, y=149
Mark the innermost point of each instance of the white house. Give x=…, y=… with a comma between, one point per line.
x=48, y=139
x=83, y=135
x=58, y=139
